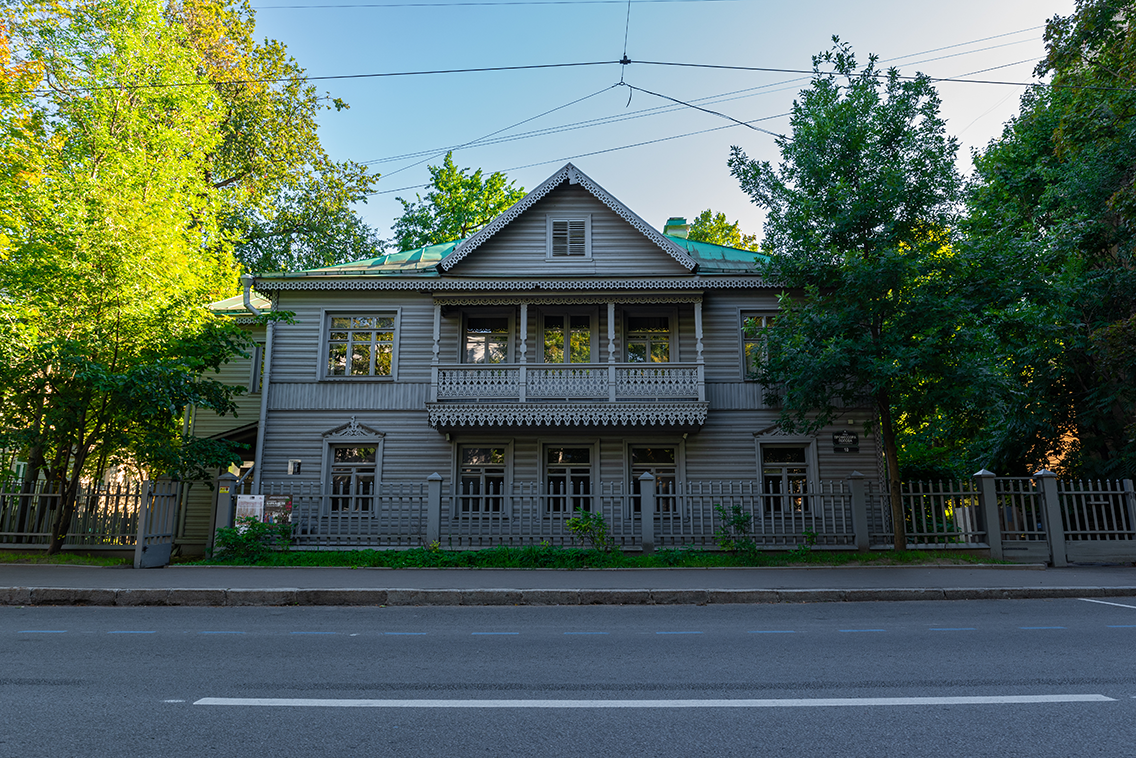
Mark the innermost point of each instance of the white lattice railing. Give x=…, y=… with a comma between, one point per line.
x=594, y=381
x=477, y=382
x=562, y=382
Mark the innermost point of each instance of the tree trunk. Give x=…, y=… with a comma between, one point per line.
x=67, y=500
x=891, y=458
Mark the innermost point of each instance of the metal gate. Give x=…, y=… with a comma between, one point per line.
x=157, y=524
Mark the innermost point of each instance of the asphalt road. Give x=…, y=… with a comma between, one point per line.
x=986, y=678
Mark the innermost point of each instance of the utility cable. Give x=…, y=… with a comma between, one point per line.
x=477, y=3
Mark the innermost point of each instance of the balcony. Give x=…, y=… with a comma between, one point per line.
x=577, y=394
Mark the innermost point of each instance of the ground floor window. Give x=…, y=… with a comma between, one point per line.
x=353, y=479
x=568, y=477
x=784, y=479
x=482, y=472
x=662, y=463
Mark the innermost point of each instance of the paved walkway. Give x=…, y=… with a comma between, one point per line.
x=223, y=585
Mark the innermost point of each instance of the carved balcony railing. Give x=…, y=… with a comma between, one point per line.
x=592, y=381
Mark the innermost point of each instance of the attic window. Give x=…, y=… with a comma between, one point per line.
x=569, y=237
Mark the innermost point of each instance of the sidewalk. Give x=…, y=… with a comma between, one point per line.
x=223, y=585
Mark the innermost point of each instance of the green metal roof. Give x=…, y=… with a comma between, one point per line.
x=235, y=305
x=422, y=262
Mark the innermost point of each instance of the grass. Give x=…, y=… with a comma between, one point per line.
x=547, y=556
x=64, y=559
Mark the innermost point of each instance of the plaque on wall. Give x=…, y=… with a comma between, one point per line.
x=845, y=442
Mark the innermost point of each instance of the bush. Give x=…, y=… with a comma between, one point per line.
x=251, y=541
x=734, y=532
x=590, y=528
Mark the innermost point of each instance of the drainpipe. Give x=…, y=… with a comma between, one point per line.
x=265, y=383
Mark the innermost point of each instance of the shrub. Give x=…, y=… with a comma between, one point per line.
x=733, y=534
x=251, y=541
x=590, y=528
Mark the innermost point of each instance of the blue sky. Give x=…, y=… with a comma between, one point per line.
x=422, y=115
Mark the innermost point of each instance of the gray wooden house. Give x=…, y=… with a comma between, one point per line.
x=544, y=364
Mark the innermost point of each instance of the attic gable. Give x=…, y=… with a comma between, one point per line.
x=571, y=175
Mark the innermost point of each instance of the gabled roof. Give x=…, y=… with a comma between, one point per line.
x=572, y=175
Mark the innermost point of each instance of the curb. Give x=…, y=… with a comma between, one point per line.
x=487, y=597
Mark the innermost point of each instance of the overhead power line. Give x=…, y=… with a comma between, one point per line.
x=469, y=3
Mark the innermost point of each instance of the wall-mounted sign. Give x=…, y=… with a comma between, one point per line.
x=278, y=509
x=250, y=506
x=845, y=442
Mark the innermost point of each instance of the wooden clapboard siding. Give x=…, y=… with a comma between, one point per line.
x=721, y=328
x=237, y=373
x=520, y=249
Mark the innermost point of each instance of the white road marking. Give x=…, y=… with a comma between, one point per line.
x=1103, y=602
x=173, y=701
x=559, y=704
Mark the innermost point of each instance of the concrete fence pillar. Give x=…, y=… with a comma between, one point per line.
x=1130, y=502
x=859, y=511
x=224, y=501
x=1054, y=525
x=991, y=520
x=647, y=511
x=433, y=508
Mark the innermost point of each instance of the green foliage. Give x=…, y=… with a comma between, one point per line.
x=115, y=209
x=733, y=532
x=1052, y=211
x=251, y=541
x=857, y=234
x=457, y=204
x=714, y=228
x=802, y=551
x=591, y=529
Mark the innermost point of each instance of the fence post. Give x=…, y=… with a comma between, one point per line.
x=991, y=519
x=859, y=511
x=1054, y=526
x=433, y=508
x=647, y=511
x=224, y=490
x=1130, y=503
x=145, y=490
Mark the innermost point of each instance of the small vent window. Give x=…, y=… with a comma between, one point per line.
x=570, y=238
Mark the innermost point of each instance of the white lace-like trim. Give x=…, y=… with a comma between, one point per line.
x=622, y=299
x=566, y=414
x=569, y=172
x=513, y=285
x=352, y=430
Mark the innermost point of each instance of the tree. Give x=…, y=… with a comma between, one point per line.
x=1052, y=208
x=714, y=228
x=457, y=205
x=856, y=234
x=112, y=238
x=283, y=200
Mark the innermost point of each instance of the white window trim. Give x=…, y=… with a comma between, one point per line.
x=455, y=476
x=351, y=433
x=671, y=313
x=544, y=443
x=326, y=314
x=812, y=472
x=593, y=313
x=514, y=339
x=587, y=219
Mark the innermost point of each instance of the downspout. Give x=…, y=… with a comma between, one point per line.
x=265, y=383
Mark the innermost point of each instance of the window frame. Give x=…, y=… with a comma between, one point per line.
x=511, y=347
x=593, y=445
x=672, y=340
x=812, y=481
x=327, y=314
x=679, y=444
x=349, y=435
x=456, y=474
x=551, y=219
x=744, y=341
x=567, y=312
x=256, y=370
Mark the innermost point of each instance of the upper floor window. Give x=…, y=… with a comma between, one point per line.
x=486, y=339
x=570, y=237
x=360, y=345
x=753, y=342
x=567, y=338
x=256, y=368
x=649, y=339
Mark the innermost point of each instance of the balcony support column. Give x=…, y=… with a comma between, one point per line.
x=523, y=378
x=611, y=351
x=698, y=342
